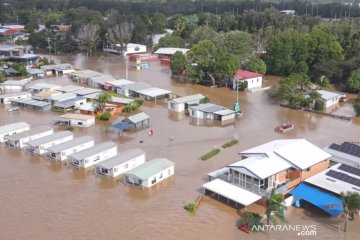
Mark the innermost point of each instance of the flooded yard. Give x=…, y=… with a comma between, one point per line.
x=43, y=200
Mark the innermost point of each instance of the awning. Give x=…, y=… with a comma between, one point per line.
x=106, y=84
x=325, y=201
x=232, y=192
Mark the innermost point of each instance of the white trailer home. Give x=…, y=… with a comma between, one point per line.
x=150, y=173
x=62, y=151
x=76, y=120
x=41, y=145
x=13, y=128
x=6, y=98
x=19, y=139
x=123, y=162
x=96, y=154
x=182, y=104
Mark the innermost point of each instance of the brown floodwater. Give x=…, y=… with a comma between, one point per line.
x=42, y=200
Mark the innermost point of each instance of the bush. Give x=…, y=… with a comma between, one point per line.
x=357, y=107
x=139, y=101
x=190, y=207
x=242, y=85
x=323, y=82
x=131, y=107
x=104, y=116
x=205, y=100
x=230, y=143
x=210, y=154
x=253, y=219
x=319, y=105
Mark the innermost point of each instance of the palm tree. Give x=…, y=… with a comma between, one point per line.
x=275, y=208
x=103, y=99
x=351, y=205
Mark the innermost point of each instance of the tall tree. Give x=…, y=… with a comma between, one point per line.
x=351, y=205
x=121, y=33
x=170, y=40
x=274, y=208
x=88, y=37
x=178, y=63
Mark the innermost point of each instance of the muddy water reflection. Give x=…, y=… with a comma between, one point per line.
x=42, y=200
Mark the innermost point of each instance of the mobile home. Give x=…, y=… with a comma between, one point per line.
x=13, y=128
x=41, y=145
x=150, y=173
x=123, y=162
x=96, y=154
x=61, y=151
x=6, y=98
x=77, y=120
x=19, y=139
x=181, y=104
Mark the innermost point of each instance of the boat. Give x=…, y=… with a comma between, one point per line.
x=285, y=127
x=13, y=109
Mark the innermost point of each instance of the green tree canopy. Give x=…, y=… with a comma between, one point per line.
x=203, y=33
x=357, y=107
x=353, y=83
x=293, y=88
x=178, y=63
x=274, y=208
x=256, y=65
x=171, y=41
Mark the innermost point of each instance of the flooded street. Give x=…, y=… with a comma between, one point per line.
x=42, y=200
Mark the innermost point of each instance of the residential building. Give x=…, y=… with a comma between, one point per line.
x=69, y=104
x=89, y=157
x=76, y=120
x=44, y=87
x=168, y=52
x=153, y=93
x=7, y=98
x=254, y=80
x=14, y=85
x=61, y=151
x=138, y=120
x=31, y=104
x=123, y=162
x=211, y=111
x=347, y=153
x=12, y=128
x=182, y=104
x=19, y=139
x=329, y=98
x=150, y=173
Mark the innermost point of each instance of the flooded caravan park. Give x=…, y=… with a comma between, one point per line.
x=42, y=200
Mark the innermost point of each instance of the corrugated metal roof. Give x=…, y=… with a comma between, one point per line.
x=70, y=144
x=138, y=117
x=69, y=88
x=120, y=82
x=15, y=94
x=85, y=73
x=31, y=102
x=208, y=108
x=13, y=126
x=40, y=86
x=224, y=112
x=68, y=102
x=328, y=95
x=86, y=91
x=31, y=132
x=63, y=96
x=150, y=168
x=153, y=92
x=122, y=100
x=121, y=158
x=190, y=98
x=137, y=86
x=102, y=78
x=22, y=82
x=50, y=138
x=76, y=116
x=35, y=71
x=171, y=51
x=98, y=148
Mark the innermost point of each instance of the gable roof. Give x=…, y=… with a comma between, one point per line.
x=208, y=107
x=97, y=149
x=121, y=158
x=138, y=117
x=150, y=168
x=4, y=129
x=326, y=95
x=190, y=98
x=298, y=152
x=243, y=75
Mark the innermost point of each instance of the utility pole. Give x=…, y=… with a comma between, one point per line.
x=48, y=40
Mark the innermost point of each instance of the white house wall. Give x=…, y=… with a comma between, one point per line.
x=228, y=117
x=64, y=154
x=331, y=102
x=21, y=143
x=252, y=82
x=99, y=157
x=127, y=166
x=166, y=173
x=201, y=115
x=13, y=132
x=41, y=149
x=177, y=107
x=84, y=123
x=7, y=100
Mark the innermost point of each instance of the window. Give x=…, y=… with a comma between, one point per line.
x=307, y=170
x=80, y=123
x=105, y=171
x=161, y=175
x=193, y=113
x=126, y=166
x=153, y=181
x=169, y=172
x=115, y=169
x=258, y=80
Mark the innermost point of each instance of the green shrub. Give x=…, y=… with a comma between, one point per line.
x=357, y=107
x=230, y=143
x=104, y=116
x=190, y=207
x=210, y=154
x=319, y=105
x=131, y=107
x=139, y=101
x=253, y=219
x=205, y=100
x=242, y=85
